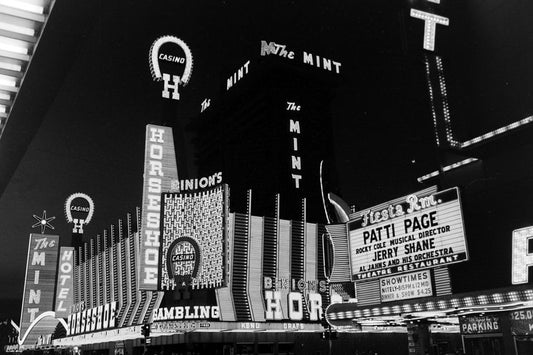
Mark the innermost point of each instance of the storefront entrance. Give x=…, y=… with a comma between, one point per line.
x=524, y=345
x=484, y=346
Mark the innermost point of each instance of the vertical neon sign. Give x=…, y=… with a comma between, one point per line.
x=159, y=171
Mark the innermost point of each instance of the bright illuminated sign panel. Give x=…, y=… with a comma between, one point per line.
x=480, y=324
x=418, y=233
x=40, y=279
x=64, y=288
x=93, y=319
x=186, y=313
x=293, y=301
x=406, y=286
x=522, y=321
x=79, y=210
x=171, y=62
x=522, y=258
x=159, y=171
x=193, y=237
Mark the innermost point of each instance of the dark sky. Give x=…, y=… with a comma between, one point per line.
x=91, y=138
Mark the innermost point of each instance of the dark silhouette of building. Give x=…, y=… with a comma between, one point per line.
x=269, y=132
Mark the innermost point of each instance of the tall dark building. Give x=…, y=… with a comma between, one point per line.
x=270, y=131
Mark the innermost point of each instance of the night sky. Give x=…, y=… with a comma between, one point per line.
x=91, y=138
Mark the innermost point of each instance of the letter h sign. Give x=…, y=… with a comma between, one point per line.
x=167, y=85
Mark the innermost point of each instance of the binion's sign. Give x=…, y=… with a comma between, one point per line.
x=418, y=233
x=159, y=171
x=293, y=302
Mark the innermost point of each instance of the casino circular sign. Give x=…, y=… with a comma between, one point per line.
x=79, y=210
x=170, y=61
x=183, y=260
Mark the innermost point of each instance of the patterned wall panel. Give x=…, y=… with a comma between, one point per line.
x=341, y=266
x=255, y=269
x=240, y=263
x=284, y=261
x=224, y=294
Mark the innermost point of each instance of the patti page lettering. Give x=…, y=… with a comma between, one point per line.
x=422, y=232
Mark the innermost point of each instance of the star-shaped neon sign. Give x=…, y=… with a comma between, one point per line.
x=43, y=222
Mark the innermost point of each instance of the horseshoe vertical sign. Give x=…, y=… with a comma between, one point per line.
x=170, y=62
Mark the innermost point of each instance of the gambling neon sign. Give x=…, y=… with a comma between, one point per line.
x=82, y=206
x=171, y=81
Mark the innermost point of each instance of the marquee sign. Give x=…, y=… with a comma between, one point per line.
x=171, y=62
x=418, y=233
x=406, y=286
x=40, y=280
x=159, y=171
x=193, y=239
x=92, y=319
x=79, y=210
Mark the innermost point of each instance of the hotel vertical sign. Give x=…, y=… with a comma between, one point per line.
x=40, y=279
x=159, y=171
x=65, y=284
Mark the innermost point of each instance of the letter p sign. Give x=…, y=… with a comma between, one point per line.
x=522, y=258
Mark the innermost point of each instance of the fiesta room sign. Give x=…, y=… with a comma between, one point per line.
x=418, y=233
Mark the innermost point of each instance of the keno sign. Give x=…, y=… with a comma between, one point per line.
x=418, y=233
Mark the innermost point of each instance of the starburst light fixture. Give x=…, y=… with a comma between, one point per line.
x=43, y=222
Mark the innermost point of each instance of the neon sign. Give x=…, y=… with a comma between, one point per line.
x=171, y=82
x=419, y=233
x=522, y=259
x=40, y=280
x=159, y=170
x=79, y=210
x=277, y=49
x=92, y=319
x=272, y=48
x=296, y=161
x=198, y=183
x=430, y=25
x=193, y=239
x=238, y=75
x=64, y=293
x=186, y=312
x=183, y=260
x=294, y=304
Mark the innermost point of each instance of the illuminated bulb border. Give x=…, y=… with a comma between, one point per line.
x=497, y=132
x=68, y=203
x=447, y=168
x=154, y=61
x=430, y=24
x=432, y=101
x=455, y=305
